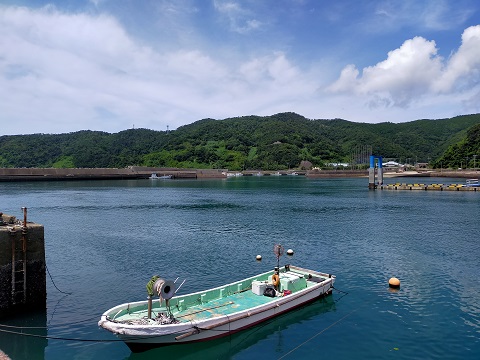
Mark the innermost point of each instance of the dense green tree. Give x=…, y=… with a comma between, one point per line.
x=279, y=141
x=463, y=154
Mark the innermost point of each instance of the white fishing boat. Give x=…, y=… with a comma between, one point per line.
x=230, y=174
x=213, y=313
x=156, y=177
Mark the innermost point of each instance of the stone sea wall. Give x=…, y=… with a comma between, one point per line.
x=21, y=241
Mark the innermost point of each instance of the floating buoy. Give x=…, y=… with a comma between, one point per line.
x=394, y=283
x=259, y=257
x=290, y=252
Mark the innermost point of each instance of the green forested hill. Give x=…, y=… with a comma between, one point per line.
x=464, y=153
x=252, y=142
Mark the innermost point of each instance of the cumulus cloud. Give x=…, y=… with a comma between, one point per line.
x=463, y=68
x=413, y=71
x=68, y=69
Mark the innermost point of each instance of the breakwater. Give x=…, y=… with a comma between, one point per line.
x=435, y=187
x=143, y=172
x=131, y=172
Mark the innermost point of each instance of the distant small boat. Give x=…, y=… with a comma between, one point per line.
x=212, y=313
x=229, y=174
x=293, y=173
x=472, y=183
x=155, y=177
x=277, y=173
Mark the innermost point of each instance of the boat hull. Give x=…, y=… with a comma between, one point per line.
x=141, y=338
x=156, y=342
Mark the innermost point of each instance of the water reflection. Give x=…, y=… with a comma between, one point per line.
x=227, y=347
x=24, y=337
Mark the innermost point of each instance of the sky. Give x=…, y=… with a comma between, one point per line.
x=112, y=65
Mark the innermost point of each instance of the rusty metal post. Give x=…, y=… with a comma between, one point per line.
x=12, y=234
x=24, y=251
x=24, y=216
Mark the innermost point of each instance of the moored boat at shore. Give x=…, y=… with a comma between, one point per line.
x=216, y=312
x=156, y=177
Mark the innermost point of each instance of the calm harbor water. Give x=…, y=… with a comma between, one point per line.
x=105, y=239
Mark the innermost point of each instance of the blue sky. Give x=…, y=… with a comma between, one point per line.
x=112, y=65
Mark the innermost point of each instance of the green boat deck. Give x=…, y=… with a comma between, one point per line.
x=224, y=306
x=215, y=302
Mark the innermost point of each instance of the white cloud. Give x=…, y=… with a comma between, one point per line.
x=62, y=72
x=463, y=68
x=73, y=63
x=432, y=15
x=240, y=19
x=414, y=71
x=76, y=71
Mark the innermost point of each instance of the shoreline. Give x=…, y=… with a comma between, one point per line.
x=140, y=172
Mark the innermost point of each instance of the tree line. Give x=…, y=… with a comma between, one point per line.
x=274, y=142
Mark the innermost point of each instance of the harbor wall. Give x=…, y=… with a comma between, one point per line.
x=131, y=172
x=22, y=287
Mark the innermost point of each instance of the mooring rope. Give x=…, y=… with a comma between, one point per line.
x=319, y=333
x=49, y=326
x=49, y=337
x=328, y=327
x=53, y=282
x=340, y=291
x=57, y=337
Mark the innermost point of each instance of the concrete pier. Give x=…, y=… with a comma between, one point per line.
x=22, y=266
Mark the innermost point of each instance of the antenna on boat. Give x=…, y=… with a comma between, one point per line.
x=278, y=251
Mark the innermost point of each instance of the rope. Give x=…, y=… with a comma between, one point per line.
x=340, y=291
x=319, y=333
x=50, y=326
x=76, y=339
x=328, y=327
x=56, y=337
x=63, y=292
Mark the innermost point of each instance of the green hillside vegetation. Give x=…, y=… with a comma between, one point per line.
x=464, y=153
x=274, y=142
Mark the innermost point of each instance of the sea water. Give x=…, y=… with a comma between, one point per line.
x=105, y=239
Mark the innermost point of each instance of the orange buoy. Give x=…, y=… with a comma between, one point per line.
x=394, y=283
